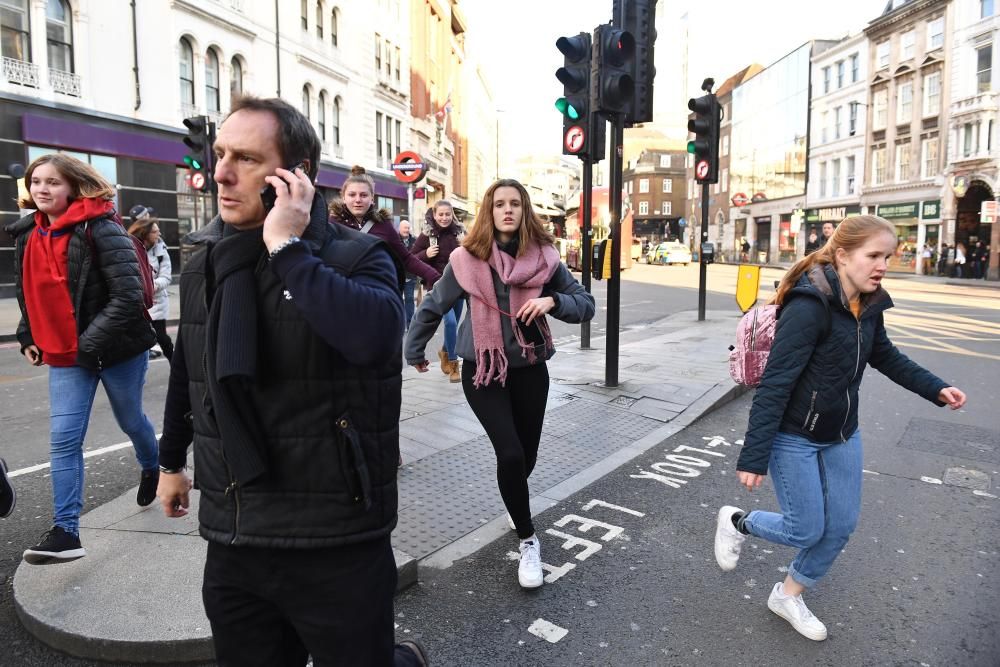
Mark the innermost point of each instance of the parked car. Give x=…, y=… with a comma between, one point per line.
x=669, y=252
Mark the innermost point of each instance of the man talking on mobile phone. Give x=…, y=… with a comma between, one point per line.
x=293, y=412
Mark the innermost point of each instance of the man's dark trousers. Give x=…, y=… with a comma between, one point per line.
x=277, y=606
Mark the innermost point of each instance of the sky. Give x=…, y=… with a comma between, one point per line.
x=514, y=41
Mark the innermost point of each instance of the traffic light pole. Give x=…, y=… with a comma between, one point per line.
x=210, y=170
x=702, y=266
x=614, y=280
x=586, y=245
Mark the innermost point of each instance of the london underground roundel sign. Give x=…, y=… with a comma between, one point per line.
x=409, y=167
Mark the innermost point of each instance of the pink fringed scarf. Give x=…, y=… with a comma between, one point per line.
x=525, y=275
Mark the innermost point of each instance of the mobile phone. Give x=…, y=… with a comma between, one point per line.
x=267, y=194
x=433, y=241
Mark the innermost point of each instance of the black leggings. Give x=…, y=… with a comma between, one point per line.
x=167, y=345
x=512, y=417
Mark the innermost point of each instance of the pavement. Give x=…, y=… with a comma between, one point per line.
x=136, y=597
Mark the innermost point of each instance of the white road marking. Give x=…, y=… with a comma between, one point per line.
x=870, y=472
x=595, y=503
x=984, y=494
x=86, y=455
x=547, y=631
x=931, y=480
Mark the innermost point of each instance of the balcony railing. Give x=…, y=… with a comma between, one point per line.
x=20, y=72
x=64, y=82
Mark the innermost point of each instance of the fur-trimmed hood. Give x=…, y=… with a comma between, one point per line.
x=340, y=213
x=430, y=227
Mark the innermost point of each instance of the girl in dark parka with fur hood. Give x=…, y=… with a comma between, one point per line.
x=803, y=426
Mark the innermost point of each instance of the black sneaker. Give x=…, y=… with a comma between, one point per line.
x=57, y=546
x=147, y=487
x=8, y=498
x=417, y=650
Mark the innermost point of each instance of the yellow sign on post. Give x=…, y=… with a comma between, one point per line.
x=747, y=286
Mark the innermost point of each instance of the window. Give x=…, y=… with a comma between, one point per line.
x=825, y=128
x=668, y=184
x=725, y=145
x=928, y=157
x=878, y=166
x=904, y=103
x=644, y=208
x=397, y=64
x=305, y=14
x=724, y=180
x=388, y=60
x=15, y=39
x=822, y=179
x=399, y=137
x=212, y=81
x=59, y=28
x=665, y=164
x=985, y=8
x=903, y=162
x=835, y=178
x=935, y=33
x=840, y=74
x=932, y=94
x=852, y=121
x=306, y=102
x=378, y=137
x=854, y=68
x=643, y=185
x=187, y=72
x=837, y=113
x=967, y=131
x=336, y=120
x=321, y=115
x=849, y=169
x=235, y=78
x=882, y=55
x=984, y=68
x=378, y=53
x=906, y=42
x=880, y=102
x=333, y=27
x=665, y=208
x=319, y=20
x=826, y=79
x=388, y=139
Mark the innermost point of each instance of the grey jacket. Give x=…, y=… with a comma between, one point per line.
x=573, y=304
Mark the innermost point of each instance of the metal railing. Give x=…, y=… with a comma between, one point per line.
x=20, y=72
x=64, y=82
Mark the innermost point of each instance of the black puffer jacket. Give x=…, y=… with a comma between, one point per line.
x=810, y=386
x=106, y=294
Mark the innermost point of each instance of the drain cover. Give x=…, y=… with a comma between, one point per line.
x=625, y=401
x=966, y=478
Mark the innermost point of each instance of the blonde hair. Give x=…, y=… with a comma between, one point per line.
x=479, y=241
x=84, y=180
x=850, y=234
x=359, y=175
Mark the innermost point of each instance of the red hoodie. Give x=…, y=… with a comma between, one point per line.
x=45, y=281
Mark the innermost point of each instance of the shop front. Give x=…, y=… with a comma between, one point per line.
x=917, y=224
x=762, y=241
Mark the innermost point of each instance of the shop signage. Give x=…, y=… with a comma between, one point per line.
x=832, y=214
x=740, y=199
x=988, y=212
x=409, y=167
x=931, y=210
x=760, y=196
x=897, y=211
x=763, y=220
x=959, y=185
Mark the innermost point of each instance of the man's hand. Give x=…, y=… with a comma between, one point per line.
x=954, y=397
x=751, y=480
x=290, y=215
x=33, y=355
x=422, y=366
x=173, y=493
x=535, y=308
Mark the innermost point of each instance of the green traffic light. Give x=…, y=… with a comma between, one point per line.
x=691, y=148
x=192, y=162
x=567, y=109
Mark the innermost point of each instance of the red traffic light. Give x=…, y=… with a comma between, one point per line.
x=619, y=47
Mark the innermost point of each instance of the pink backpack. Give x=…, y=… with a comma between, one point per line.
x=754, y=337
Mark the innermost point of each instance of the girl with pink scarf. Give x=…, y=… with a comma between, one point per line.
x=509, y=273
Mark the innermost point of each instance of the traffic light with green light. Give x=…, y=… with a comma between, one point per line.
x=197, y=141
x=574, y=105
x=705, y=146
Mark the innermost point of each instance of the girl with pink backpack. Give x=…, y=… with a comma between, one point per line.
x=803, y=426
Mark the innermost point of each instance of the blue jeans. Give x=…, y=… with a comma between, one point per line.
x=819, y=490
x=71, y=397
x=451, y=320
x=409, y=305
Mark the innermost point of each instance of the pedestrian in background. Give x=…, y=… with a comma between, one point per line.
x=356, y=209
x=960, y=260
x=812, y=244
x=945, y=259
x=828, y=228
x=286, y=377
x=986, y=262
x=441, y=235
x=146, y=227
x=79, y=289
x=979, y=260
x=508, y=269
x=409, y=286
x=803, y=426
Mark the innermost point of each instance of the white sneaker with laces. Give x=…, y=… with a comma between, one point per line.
x=794, y=610
x=529, y=571
x=728, y=540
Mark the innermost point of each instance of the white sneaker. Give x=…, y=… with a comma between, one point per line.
x=795, y=611
x=728, y=540
x=529, y=571
x=510, y=522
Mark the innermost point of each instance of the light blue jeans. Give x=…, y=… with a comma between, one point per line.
x=409, y=305
x=819, y=491
x=71, y=397
x=451, y=320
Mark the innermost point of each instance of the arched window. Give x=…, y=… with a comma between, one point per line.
x=319, y=19
x=306, y=102
x=235, y=78
x=333, y=26
x=187, y=72
x=321, y=116
x=14, y=35
x=212, y=81
x=59, y=29
x=336, y=121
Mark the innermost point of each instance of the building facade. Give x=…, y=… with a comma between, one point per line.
x=655, y=188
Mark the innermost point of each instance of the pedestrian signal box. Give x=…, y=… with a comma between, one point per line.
x=601, y=266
